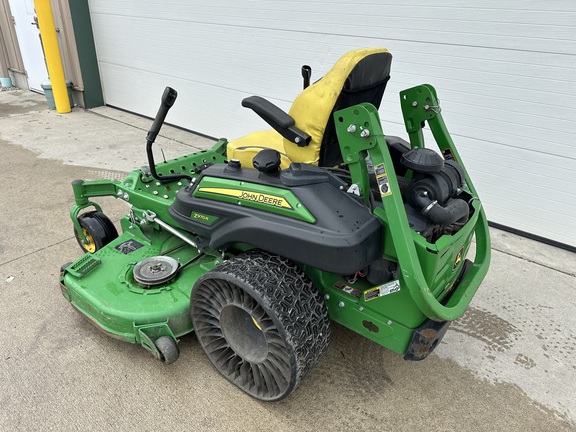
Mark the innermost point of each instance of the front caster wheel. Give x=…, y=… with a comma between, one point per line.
x=261, y=322
x=98, y=229
x=169, y=351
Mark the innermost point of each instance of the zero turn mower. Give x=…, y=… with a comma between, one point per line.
x=258, y=244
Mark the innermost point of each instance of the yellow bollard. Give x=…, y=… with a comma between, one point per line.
x=52, y=53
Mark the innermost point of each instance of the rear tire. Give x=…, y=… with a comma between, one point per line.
x=261, y=322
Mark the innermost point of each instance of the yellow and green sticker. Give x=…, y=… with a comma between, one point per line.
x=271, y=199
x=382, y=180
x=203, y=218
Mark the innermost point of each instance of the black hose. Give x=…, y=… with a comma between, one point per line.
x=456, y=210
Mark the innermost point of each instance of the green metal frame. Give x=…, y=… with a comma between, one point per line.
x=143, y=193
x=431, y=281
x=419, y=104
x=101, y=286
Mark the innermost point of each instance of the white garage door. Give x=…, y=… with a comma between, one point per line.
x=505, y=72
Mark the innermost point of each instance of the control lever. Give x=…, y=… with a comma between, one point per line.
x=306, y=74
x=168, y=99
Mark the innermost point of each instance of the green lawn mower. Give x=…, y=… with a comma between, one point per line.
x=257, y=244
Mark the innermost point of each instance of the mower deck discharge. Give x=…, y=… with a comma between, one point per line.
x=258, y=244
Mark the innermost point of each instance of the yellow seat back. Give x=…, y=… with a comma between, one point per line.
x=313, y=107
x=358, y=76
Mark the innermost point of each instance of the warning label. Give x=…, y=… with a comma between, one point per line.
x=382, y=290
x=382, y=179
x=129, y=246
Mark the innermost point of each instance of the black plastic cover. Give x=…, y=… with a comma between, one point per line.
x=370, y=72
x=423, y=160
x=425, y=339
x=267, y=161
x=365, y=83
x=345, y=239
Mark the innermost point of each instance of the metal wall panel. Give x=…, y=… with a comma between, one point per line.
x=505, y=72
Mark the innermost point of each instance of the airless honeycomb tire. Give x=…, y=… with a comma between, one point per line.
x=261, y=322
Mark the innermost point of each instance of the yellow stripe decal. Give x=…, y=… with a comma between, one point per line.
x=258, y=197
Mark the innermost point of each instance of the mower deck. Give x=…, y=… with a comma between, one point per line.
x=102, y=286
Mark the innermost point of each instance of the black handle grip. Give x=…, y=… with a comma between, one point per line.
x=168, y=99
x=306, y=74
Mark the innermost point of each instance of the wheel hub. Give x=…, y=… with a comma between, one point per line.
x=243, y=333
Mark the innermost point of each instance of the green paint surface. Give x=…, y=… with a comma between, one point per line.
x=83, y=34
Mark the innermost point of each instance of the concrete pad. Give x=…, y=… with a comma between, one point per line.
x=84, y=138
x=60, y=373
x=173, y=133
x=520, y=330
x=531, y=250
x=36, y=198
x=18, y=102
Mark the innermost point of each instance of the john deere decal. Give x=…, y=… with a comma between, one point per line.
x=258, y=197
x=458, y=259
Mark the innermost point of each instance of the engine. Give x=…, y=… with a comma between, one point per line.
x=434, y=193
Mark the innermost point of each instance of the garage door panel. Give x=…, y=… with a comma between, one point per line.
x=191, y=109
x=488, y=87
x=546, y=230
x=556, y=192
x=505, y=157
x=554, y=225
x=235, y=68
x=495, y=58
x=543, y=142
x=322, y=19
x=485, y=122
x=477, y=79
x=504, y=71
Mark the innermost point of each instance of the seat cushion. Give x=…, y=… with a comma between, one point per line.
x=245, y=148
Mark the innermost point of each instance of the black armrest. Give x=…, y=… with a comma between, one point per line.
x=278, y=119
x=269, y=112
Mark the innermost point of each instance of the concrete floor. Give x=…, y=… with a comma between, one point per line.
x=508, y=364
